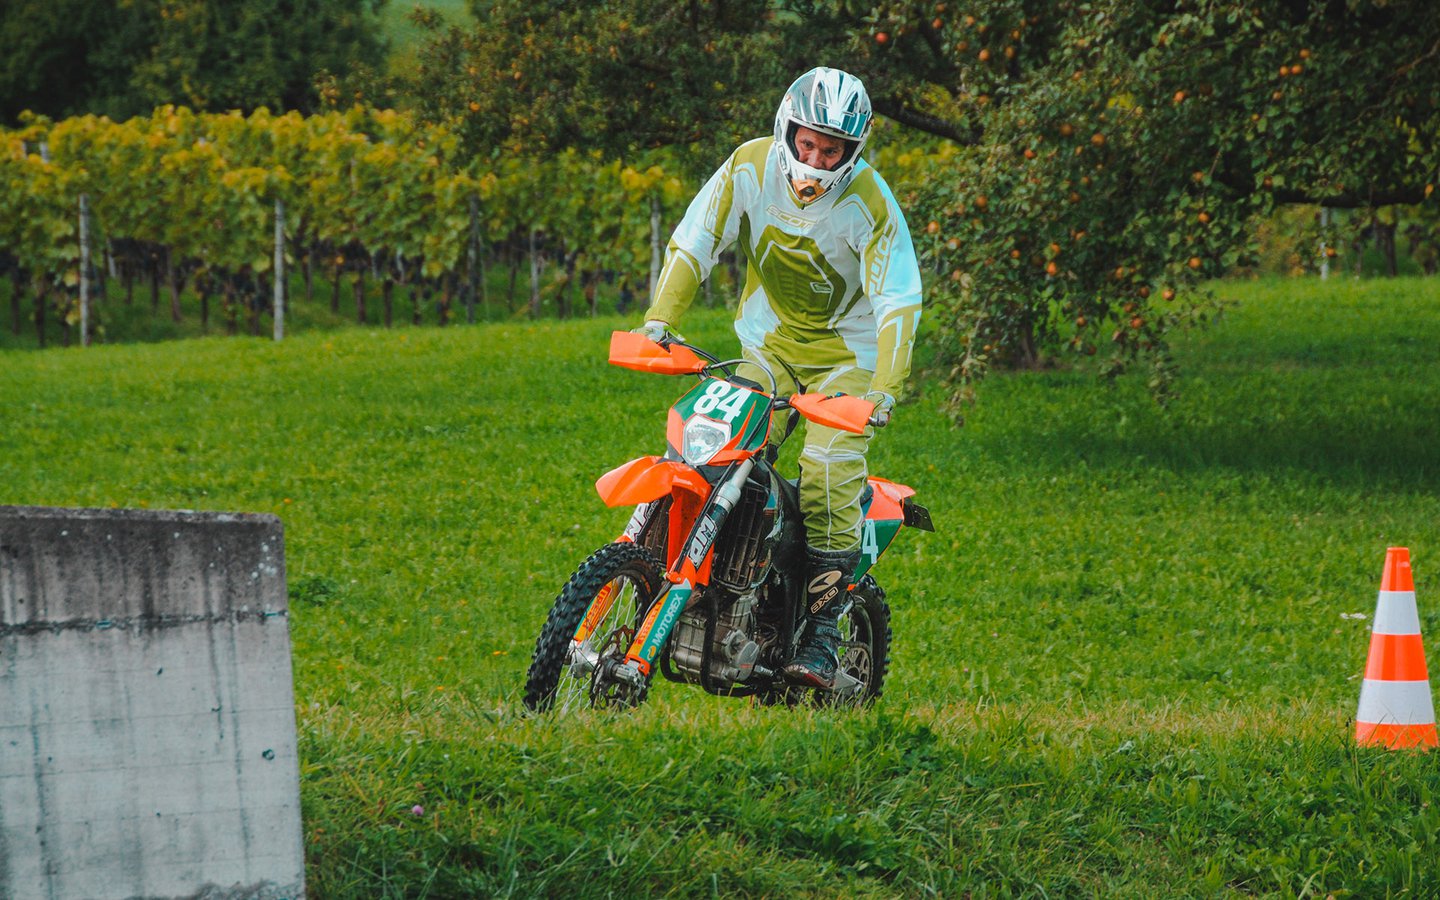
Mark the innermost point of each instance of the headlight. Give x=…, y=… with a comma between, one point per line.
x=703, y=439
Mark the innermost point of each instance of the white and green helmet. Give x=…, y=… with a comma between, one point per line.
x=831, y=102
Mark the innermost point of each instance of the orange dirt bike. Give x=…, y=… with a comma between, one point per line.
x=706, y=584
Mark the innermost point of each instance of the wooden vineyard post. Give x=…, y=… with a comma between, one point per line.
x=279, y=269
x=655, y=245
x=84, y=270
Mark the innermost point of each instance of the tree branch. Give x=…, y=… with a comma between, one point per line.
x=933, y=41
x=1404, y=196
x=1401, y=72
x=926, y=122
x=1374, y=197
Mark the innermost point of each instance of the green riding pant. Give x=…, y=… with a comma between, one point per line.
x=832, y=462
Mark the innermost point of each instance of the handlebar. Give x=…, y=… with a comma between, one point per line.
x=673, y=357
x=668, y=342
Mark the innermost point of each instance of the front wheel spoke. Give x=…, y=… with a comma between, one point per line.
x=582, y=660
x=604, y=687
x=589, y=682
x=589, y=627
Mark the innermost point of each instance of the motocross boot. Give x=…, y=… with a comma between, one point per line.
x=816, y=662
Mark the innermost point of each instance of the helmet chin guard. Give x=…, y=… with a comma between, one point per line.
x=830, y=102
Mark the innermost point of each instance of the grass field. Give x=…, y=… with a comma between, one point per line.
x=1125, y=664
x=402, y=33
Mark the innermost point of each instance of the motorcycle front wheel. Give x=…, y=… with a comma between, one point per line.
x=610, y=592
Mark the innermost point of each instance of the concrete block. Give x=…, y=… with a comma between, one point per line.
x=147, y=712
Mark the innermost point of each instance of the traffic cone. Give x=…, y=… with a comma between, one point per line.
x=1395, y=706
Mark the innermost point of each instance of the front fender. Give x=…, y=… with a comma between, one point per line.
x=649, y=478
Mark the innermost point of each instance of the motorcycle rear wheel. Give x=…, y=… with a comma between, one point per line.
x=864, y=654
x=864, y=649
x=567, y=678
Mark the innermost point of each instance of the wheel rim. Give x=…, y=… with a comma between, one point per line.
x=584, y=665
x=854, y=652
x=855, y=661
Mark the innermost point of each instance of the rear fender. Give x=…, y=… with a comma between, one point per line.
x=888, y=508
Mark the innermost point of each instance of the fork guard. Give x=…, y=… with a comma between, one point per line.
x=649, y=478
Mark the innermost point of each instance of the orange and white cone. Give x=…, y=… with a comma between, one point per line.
x=1395, y=705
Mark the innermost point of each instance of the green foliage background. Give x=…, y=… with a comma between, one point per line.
x=1077, y=169
x=1126, y=662
x=122, y=58
x=1101, y=159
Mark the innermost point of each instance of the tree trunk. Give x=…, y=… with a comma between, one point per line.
x=42, y=296
x=1025, y=354
x=534, y=273
x=307, y=270
x=447, y=291
x=472, y=261
x=627, y=296
x=587, y=281
x=484, y=289
x=335, y=289
x=17, y=315
x=253, y=304
x=565, y=296
x=387, y=298
x=232, y=321
x=1324, y=257
x=153, y=269
x=360, y=294
x=1385, y=243
x=514, y=278
x=176, y=283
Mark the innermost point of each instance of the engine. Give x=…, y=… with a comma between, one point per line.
x=741, y=566
x=733, y=653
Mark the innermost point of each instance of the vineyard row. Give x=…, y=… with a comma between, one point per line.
x=220, y=205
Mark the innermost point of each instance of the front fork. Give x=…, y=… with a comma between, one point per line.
x=690, y=570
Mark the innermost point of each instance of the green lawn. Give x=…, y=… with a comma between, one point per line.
x=1125, y=664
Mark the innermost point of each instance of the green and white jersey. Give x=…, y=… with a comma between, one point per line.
x=830, y=284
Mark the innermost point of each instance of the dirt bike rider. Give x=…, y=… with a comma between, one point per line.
x=831, y=304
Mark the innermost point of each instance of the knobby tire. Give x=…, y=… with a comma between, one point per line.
x=624, y=562
x=865, y=644
x=864, y=653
